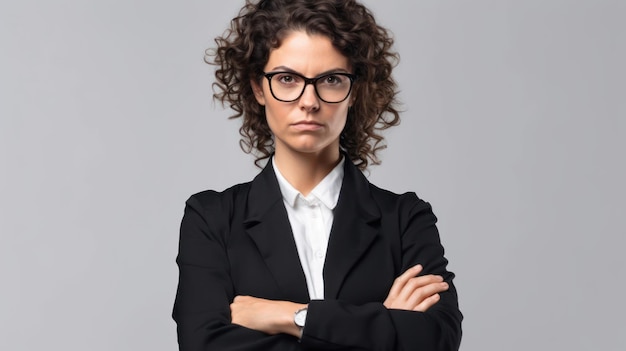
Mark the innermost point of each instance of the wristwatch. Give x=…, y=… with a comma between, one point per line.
x=299, y=318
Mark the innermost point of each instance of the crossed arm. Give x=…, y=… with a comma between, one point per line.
x=410, y=292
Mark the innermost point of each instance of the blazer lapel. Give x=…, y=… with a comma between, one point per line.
x=355, y=226
x=267, y=223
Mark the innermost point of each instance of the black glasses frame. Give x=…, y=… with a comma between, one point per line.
x=311, y=81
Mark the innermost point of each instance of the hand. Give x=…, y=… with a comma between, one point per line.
x=268, y=316
x=412, y=293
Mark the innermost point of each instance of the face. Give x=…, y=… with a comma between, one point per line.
x=308, y=124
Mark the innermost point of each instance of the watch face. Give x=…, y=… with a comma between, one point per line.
x=300, y=317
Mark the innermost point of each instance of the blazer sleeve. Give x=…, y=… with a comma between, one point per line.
x=205, y=290
x=339, y=325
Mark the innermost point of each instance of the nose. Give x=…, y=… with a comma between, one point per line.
x=309, y=101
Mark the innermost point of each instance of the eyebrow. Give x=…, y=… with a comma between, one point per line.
x=330, y=71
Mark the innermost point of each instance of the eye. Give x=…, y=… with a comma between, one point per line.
x=333, y=79
x=287, y=78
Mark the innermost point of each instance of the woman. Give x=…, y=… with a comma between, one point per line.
x=310, y=255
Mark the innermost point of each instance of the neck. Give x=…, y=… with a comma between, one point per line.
x=305, y=170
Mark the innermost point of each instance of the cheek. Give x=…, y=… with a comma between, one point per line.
x=269, y=118
x=274, y=115
x=341, y=118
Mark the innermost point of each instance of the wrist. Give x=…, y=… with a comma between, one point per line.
x=299, y=319
x=289, y=322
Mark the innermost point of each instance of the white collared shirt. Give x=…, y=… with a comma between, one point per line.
x=311, y=218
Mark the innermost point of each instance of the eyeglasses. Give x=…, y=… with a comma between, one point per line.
x=289, y=86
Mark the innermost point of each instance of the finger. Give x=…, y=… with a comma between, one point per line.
x=401, y=281
x=427, y=303
x=425, y=292
x=239, y=298
x=417, y=283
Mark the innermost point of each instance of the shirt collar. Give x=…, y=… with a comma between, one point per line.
x=327, y=191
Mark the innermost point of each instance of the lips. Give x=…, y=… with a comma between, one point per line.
x=307, y=125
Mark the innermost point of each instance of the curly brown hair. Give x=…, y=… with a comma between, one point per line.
x=244, y=49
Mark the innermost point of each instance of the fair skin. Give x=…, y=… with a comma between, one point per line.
x=306, y=131
x=306, y=134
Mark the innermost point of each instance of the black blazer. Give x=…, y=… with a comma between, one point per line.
x=239, y=242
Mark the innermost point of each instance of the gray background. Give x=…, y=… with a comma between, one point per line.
x=514, y=130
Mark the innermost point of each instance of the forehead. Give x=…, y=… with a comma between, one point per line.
x=308, y=54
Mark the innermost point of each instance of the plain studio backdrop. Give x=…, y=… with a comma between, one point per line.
x=514, y=130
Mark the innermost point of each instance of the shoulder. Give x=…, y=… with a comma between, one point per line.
x=405, y=200
x=210, y=200
x=386, y=200
x=405, y=206
x=208, y=213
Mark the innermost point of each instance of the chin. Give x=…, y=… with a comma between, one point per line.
x=311, y=145
x=308, y=146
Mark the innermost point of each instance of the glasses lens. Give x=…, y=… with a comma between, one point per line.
x=333, y=87
x=287, y=86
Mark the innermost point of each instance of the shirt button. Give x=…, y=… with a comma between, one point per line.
x=319, y=255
